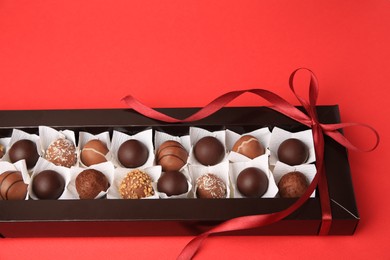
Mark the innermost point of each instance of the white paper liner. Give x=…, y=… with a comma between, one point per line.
x=107, y=168
x=43, y=165
x=5, y=143
x=120, y=173
x=197, y=133
x=146, y=137
x=260, y=162
x=188, y=194
x=279, y=135
x=309, y=170
x=17, y=166
x=221, y=170
x=85, y=137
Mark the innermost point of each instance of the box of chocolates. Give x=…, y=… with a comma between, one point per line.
x=114, y=172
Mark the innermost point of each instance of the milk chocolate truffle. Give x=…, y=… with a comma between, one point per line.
x=61, y=152
x=210, y=186
x=93, y=152
x=90, y=182
x=171, y=155
x=209, y=151
x=293, y=152
x=252, y=182
x=133, y=154
x=249, y=146
x=2, y=150
x=12, y=186
x=48, y=185
x=24, y=149
x=293, y=185
x=136, y=185
x=172, y=183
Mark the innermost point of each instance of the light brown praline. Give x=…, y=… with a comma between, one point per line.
x=249, y=146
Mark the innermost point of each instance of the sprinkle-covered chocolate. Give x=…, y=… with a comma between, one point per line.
x=210, y=186
x=136, y=185
x=62, y=152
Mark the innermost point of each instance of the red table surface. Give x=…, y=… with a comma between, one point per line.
x=89, y=54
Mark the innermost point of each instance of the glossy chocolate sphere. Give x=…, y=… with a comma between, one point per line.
x=48, y=185
x=209, y=151
x=133, y=154
x=293, y=152
x=172, y=183
x=171, y=155
x=252, y=182
x=12, y=186
x=249, y=146
x=24, y=149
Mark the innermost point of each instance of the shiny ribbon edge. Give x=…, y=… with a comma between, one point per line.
x=282, y=106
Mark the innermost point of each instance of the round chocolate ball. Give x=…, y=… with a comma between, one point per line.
x=172, y=183
x=93, y=152
x=209, y=151
x=24, y=149
x=136, y=185
x=133, y=154
x=293, y=152
x=61, y=152
x=252, y=182
x=48, y=185
x=12, y=186
x=171, y=155
x=210, y=186
x=293, y=185
x=90, y=182
x=249, y=146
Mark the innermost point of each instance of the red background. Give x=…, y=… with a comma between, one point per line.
x=89, y=54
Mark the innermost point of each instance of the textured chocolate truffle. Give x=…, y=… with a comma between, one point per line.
x=293, y=152
x=209, y=151
x=90, y=182
x=12, y=186
x=249, y=146
x=48, y=185
x=293, y=185
x=2, y=150
x=133, y=154
x=172, y=183
x=61, y=152
x=136, y=185
x=210, y=186
x=171, y=155
x=24, y=149
x=93, y=152
x=252, y=182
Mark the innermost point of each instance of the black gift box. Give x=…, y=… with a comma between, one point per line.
x=104, y=217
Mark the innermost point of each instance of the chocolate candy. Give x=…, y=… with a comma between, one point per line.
x=171, y=155
x=48, y=185
x=209, y=151
x=2, y=150
x=61, y=152
x=172, y=183
x=210, y=186
x=293, y=152
x=93, y=152
x=12, y=186
x=137, y=184
x=293, y=185
x=249, y=146
x=24, y=149
x=90, y=182
x=252, y=182
x=133, y=154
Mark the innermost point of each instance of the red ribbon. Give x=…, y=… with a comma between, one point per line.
x=309, y=119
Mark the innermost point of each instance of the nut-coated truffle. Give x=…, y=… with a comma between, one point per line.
x=252, y=182
x=171, y=155
x=90, y=182
x=210, y=186
x=293, y=185
x=12, y=186
x=48, y=185
x=209, y=151
x=172, y=183
x=293, y=152
x=93, y=152
x=24, y=149
x=136, y=185
x=133, y=154
x=61, y=152
x=249, y=146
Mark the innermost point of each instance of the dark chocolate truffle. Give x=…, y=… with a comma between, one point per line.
x=293, y=185
x=171, y=155
x=210, y=186
x=12, y=186
x=48, y=185
x=293, y=152
x=61, y=152
x=172, y=183
x=249, y=146
x=93, y=152
x=2, y=150
x=136, y=185
x=133, y=154
x=24, y=149
x=209, y=151
x=90, y=182
x=252, y=182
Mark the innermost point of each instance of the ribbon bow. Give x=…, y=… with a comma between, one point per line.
x=309, y=119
